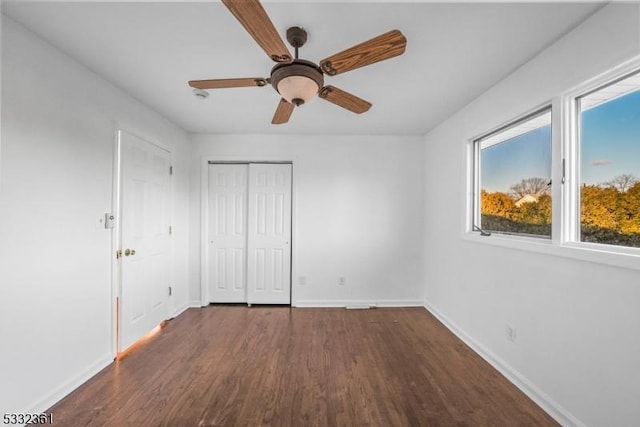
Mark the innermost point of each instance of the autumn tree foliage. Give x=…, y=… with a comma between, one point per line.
x=500, y=213
x=629, y=209
x=598, y=206
x=609, y=213
x=536, y=212
x=498, y=204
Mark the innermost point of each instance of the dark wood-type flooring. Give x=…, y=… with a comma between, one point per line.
x=240, y=366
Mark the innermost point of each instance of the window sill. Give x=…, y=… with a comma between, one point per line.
x=578, y=251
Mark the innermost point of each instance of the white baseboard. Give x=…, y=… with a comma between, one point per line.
x=344, y=303
x=179, y=310
x=62, y=391
x=358, y=303
x=560, y=414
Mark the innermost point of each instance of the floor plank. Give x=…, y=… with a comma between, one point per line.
x=240, y=366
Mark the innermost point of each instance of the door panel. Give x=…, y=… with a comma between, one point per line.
x=227, y=232
x=269, y=234
x=144, y=220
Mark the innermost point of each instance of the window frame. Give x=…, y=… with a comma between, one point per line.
x=571, y=203
x=475, y=214
x=565, y=175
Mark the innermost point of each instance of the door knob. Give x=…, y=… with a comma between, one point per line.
x=133, y=252
x=127, y=252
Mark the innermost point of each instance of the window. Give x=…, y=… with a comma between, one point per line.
x=609, y=163
x=513, y=178
x=595, y=156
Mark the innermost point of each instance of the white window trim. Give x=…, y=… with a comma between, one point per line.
x=565, y=196
x=582, y=252
x=571, y=153
x=473, y=168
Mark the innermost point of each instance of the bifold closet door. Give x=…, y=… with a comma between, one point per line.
x=269, y=234
x=250, y=233
x=228, y=232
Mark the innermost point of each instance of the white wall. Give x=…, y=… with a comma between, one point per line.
x=58, y=125
x=357, y=213
x=366, y=207
x=578, y=322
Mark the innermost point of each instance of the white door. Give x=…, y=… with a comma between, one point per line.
x=144, y=224
x=227, y=232
x=269, y=234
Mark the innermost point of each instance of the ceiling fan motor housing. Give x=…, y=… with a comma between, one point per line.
x=297, y=68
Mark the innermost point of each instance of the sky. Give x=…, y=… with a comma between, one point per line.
x=509, y=162
x=611, y=140
x=610, y=147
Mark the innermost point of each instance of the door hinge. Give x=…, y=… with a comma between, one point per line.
x=170, y=230
x=170, y=291
x=119, y=254
x=170, y=170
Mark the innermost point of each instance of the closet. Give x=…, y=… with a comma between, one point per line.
x=249, y=233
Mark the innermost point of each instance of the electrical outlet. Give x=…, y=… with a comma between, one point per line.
x=302, y=280
x=341, y=281
x=511, y=333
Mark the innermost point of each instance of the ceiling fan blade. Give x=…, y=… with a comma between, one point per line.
x=255, y=20
x=283, y=112
x=344, y=99
x=385, y=46
x=226, y=83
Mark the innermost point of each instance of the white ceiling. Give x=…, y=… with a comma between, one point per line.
x=455, y=52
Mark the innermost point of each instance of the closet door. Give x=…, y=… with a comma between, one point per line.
x=227, y=232
x=269, y=234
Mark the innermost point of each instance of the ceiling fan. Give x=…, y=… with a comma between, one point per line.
x=298, y=80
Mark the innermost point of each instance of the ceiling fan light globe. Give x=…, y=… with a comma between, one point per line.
x=298, y=88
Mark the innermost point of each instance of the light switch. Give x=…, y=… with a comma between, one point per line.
x=108, y=221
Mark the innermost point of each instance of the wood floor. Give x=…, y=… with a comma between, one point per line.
x=239, y=366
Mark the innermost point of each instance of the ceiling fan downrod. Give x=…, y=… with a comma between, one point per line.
x=296, y=37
